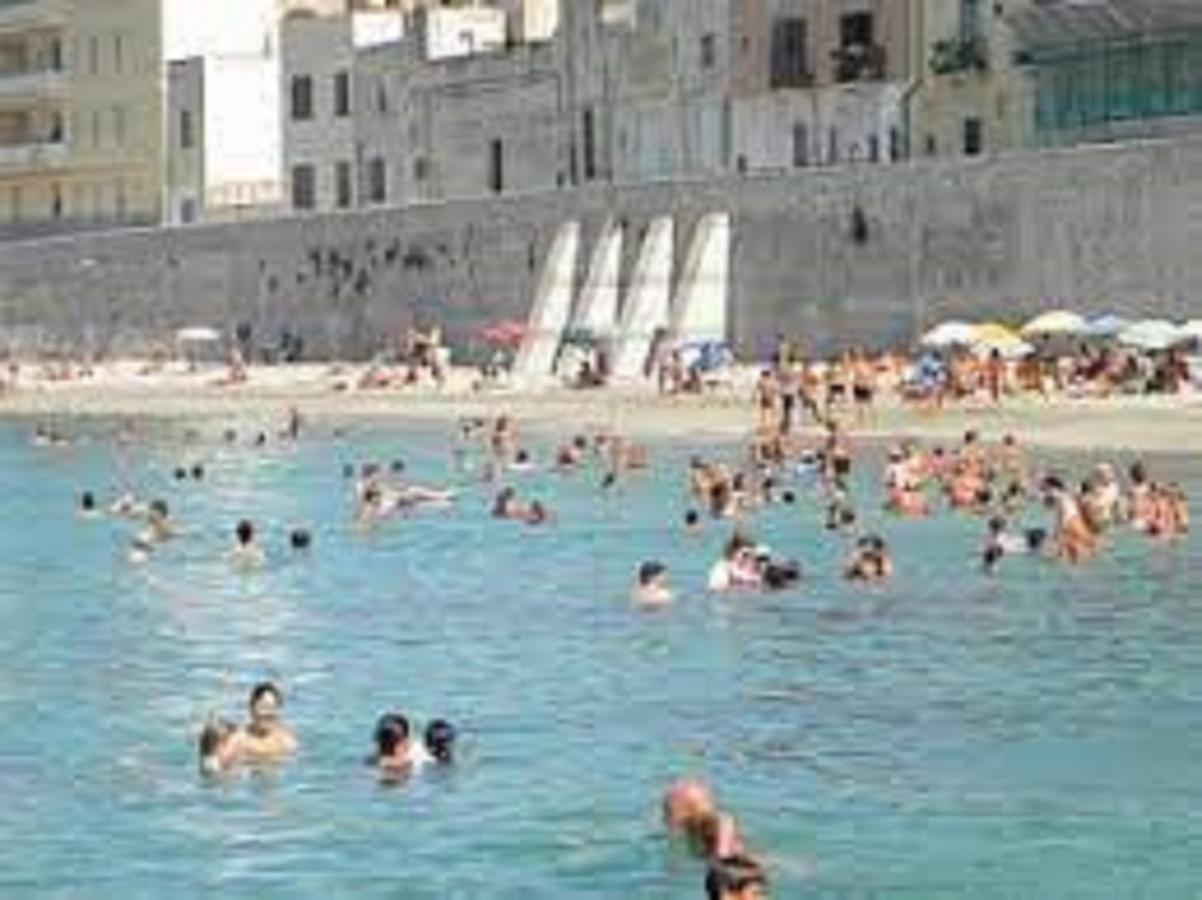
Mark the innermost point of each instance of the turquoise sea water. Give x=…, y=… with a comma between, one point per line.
x=947, y=735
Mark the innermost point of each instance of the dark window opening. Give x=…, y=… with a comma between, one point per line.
x=342, y=94
x=590, y=147
x=302, y=97
x=973, y=137
x=789, y=66
x=304, y=187
x=709, y=51
x=187, y=137
x=343, y=182
x=801, y=145
x=377, y=180
x=496, y=174
x=874, y=148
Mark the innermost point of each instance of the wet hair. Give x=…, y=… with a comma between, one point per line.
x=180, y=473
x=300, y=539
x=1035, y=538
x=499, y=502
x=212, y=736
x=261, y=439
x=609, y=480
x=262, y=689
x=984, y=496
x=788, y=497
x=538, y=512
x=691, y=517
x=991, y=557
x=580, y=442
x=1052, y=483
x=398, y=465
x=440, y=740
x=245, y=532
x=159, y=507
x=87, y=501
x=521, y=457
x=997, y=525
x=1138, y=473
x=392, y=730
x=198, y=472
x=733, y=874
x=780, y=575
x=651, y=570
x=970, y=437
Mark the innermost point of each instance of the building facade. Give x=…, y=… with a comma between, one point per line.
x=80, y=114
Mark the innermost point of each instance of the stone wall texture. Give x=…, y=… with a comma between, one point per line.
x=849, y=256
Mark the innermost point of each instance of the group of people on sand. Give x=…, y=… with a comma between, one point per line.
x=265, y=738
x=732, y=873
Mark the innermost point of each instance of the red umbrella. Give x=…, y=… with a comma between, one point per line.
x=504, y=334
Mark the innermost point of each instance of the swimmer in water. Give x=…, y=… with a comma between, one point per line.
x=246, y=553
x=266, y=738
x=651, y=586
x=87, y=506
x=692, y=522
x=684, y=803
x=218, y=747
x=738, y=568
x=440, y=741
x=396, y=756
x=300, y=540
x=738, y=877
x=870, y=561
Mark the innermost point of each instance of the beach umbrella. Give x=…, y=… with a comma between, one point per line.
x=1059, y=321
x=950, y=334
x=1106, y=326
x=1152, y=334
x=1192, y=330
x=993, y=334
x=509, y=333
x=198, y=335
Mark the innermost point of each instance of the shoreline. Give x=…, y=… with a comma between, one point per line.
x=1133, y=424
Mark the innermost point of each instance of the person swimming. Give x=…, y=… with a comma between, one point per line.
x=692, y=522
x=218, y=747
x=87, y=508
x=392, y=757
x=739, y=877
x=246, y=553
x=266, y=738
x=651, y=585
x=870, y=561
x=300, y=539
x=684, y=803
x=440, y=740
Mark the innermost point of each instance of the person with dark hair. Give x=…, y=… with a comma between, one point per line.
x=738, y=877
x=440, y=741
x=392, y=755
x=300, y=539
x=198, y=472
x=266, y=737
x=218, y=746
x=651, y=585
x=692, y=522
x=246, y=553
x=87, y=506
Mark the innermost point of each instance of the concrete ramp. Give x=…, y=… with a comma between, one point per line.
x=552, y=306
x=597, y=310
x=647, y=302
x=699, y=310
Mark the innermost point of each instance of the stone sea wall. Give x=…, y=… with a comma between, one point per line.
x=864, y=255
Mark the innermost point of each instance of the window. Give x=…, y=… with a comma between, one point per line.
x=377, y=180
x=381, y=97
x=894, y=144
x=970, y=19
x=342, y=182
x=973, y=137
x=590, y=149
x=788, y=66
x=122, y=205
x=57, y=128
x=187, y=211
x=421, y=169
x=187, y=137
x=932, y=147
x=832, y=152
x=709, y=51
x=801, y=145
x=496, y=174
x=118, y=53
x=302, y=98
x=95, y=128
x=855, y=30
x=874, y=148
x=56, y=202
x=93, y=56
x=304, y=187
x=56, y=55
x=342, y=94
x=119, y=126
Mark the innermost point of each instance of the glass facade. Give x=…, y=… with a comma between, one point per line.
x=1086, y=87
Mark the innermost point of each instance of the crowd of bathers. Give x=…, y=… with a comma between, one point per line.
x=1026, y=512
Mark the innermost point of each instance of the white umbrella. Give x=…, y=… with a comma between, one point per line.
x=1058, y=321
x=950, y=334
x=1152, y=334
x=198, y=335
x=1106, y=326
x=1192, y=330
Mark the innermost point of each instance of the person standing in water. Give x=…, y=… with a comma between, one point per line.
x=266, y=738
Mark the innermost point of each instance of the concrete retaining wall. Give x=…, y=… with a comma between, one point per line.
x=841, y=256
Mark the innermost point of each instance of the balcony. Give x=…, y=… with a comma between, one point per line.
x=33, y=155
x=968, y=54
x=860, y=62
x=43, y=84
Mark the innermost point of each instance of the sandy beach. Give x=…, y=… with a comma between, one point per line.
x=1143, y=424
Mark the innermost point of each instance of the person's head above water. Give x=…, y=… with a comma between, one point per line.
x=686, y=801
x=300, y=539
x=198, y=472
x=159, y=508
x=650, y=572
x=245, y=532
x=736, y=878
x=392, y=733
x=213, y=739
x=265, y=702
x=87, y=501
x=440, y=740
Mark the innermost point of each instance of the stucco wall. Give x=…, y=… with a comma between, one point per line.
x=1102, y=229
